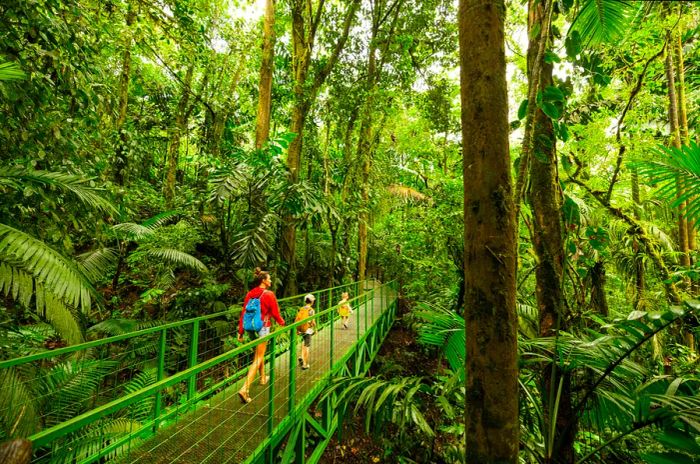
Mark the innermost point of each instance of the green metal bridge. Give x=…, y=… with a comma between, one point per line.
x=168, y=394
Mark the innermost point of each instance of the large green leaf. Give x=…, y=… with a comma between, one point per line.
x=604, y=21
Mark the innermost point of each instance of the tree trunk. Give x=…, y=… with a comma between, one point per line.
x=262, y=127
x=547, y=231
x=121, y=162
x=304, y=27
x=683, y=125
x=176, y=134
x=17, y=451
x=491, y=412
x=639, y=280
x=676, y=142
x=599, y=300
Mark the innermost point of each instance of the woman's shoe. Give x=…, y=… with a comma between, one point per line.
x=245, y=397
x=265, y=380
x=305, y=367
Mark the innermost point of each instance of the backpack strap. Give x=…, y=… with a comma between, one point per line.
x=267, y=319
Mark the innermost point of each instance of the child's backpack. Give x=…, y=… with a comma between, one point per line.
x=301, y=315
x=252, y=319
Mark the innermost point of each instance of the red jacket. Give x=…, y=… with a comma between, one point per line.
x=268, y=307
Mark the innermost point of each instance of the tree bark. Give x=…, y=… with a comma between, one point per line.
x=17, y=451
x=181, y=118
x=262, y=126
x=491, y=412
x=640, y=280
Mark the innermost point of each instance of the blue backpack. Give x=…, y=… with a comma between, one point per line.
x=252, y=319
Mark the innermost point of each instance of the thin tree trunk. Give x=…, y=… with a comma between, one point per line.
x=122, y=156
x=491, y=412
x=175, y=136
x=638, y=262
x=262, y=126
x=676, y=142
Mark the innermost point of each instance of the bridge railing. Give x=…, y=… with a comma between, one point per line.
x=44, y=389
x=68, y=395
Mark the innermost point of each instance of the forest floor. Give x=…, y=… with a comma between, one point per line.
x=400, y=354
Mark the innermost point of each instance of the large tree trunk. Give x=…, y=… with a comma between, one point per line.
x=175, y=135
x=262, y=126
x=121, y=162
x=545, y=199
x=491, y=412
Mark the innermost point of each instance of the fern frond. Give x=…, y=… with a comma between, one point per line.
x=59, y=316
x=68, y=183
x=177, y=258
x=674, y=167
x=95, y=264
x=406, y=193
x=71, y=387
x=18, y=408
x=93, y=440
x=133, y=231
x=604, y=21
x=20, y=252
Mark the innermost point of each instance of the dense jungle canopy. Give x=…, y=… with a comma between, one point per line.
x=527, y=170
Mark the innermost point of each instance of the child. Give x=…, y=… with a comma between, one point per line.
x=344, y=309
x=306, y=329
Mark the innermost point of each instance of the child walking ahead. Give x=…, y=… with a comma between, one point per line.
x=306, y=330
x=344, y=309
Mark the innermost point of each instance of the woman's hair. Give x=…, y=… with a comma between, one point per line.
x=309, y=299
x=345, y=295
x=259, y=275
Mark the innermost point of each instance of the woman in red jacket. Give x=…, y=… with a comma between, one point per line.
x=268, y=308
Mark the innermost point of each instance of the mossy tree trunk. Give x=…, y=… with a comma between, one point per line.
x=491, y=412
x=547, y=233
x=262, y=124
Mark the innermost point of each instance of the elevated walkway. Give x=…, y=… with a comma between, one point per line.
x=194, y=415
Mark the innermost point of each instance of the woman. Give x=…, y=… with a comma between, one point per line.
x=268, y=307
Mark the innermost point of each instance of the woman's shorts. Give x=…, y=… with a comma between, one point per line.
x=255, y=335
x=307, y=339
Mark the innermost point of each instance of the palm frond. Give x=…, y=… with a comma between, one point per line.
x=406, y=193
x=61, y=318
x=77, y=185
x=71, y=388
x=93, y=440
x=252, y=244
x=177, y=258
x=22, y=256
x=674, y=167
x=445, y=329
x=229, y=184
x=95, y=263
x=142, y=410
x=10, y=71
x=604, y=21
x=133, y=231
x=18, y=408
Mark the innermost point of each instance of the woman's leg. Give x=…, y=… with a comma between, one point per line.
x=258, y=359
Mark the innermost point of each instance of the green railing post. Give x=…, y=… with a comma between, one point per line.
x=194, y=341
x=357, y=322
x=271, y=397
x=292, y=367
x=330, y=350
x=160, y=374
x=369, y=295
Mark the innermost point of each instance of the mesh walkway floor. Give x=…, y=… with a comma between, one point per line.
x=227, y=431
